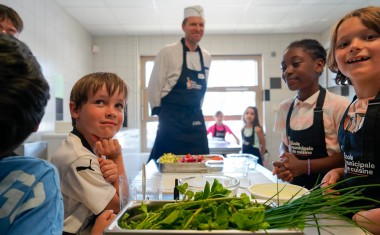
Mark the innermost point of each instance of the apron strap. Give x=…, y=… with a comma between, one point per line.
x=318, y=114
x=317, y=109
x=185, y=50
x=368, y=141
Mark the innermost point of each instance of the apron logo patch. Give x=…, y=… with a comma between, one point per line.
x=201, y=76
x=190, y=84
x=197, y=123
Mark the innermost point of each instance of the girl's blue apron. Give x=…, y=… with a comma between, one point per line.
x=181, y=128
x=247, y=147
x=309, y=143
x=362, y=150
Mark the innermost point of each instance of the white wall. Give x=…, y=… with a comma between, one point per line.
x=60, y=44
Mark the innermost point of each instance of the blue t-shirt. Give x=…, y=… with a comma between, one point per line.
x=30, y=197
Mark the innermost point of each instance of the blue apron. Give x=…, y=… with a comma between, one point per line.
x=248, y=142
x=309, y=143
x=181, y=128
x=362, y=150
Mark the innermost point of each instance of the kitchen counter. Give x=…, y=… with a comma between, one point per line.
x=223, y=147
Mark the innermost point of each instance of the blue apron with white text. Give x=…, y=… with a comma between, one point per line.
x=309, y=143
x=362, y=150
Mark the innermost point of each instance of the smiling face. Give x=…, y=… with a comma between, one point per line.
x=194, y=28
x=300, y=70
x=101, y=116
x=357, y=53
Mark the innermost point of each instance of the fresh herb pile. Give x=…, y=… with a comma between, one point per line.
x=213, y=210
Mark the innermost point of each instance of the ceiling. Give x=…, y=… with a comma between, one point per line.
x=164, y=17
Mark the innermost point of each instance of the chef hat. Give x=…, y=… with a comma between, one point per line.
x=193, y=11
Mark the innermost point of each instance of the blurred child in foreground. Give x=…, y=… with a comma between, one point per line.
x=29, y=191
x=355, y=56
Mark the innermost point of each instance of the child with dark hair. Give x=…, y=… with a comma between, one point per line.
x=90, y=160
x=253, y=138
x=308, y=123
x=10, y=21
x=355, y=56
x=30, y=190
x=219, y=129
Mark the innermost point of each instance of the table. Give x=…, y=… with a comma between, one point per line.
x=259, y=175
x=223, y=147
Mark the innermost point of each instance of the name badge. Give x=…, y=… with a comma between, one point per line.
x=201, y=76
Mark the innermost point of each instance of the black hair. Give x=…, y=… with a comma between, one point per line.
x=24, y=93
x=312, y=47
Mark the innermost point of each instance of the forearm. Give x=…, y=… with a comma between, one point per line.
x=325, y=164
x=120, y=169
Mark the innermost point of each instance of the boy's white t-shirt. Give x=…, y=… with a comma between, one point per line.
x=85, y=191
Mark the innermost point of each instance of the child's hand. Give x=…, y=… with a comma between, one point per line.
x=109, y=148
x=108, y=169
x=293, y=164
x=103, y=220
x=369, y=220
x=280, y=169
x=330, y=178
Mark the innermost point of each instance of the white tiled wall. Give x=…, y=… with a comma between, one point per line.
x=60, y=44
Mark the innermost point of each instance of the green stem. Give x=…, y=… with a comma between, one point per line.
x=192, y=217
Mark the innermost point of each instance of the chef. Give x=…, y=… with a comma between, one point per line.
x=176, y=90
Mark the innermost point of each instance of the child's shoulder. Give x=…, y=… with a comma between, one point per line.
x=336, y=100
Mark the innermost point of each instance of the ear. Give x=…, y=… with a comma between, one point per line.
x=74, y=111
x=320, y=65
x=36, y=128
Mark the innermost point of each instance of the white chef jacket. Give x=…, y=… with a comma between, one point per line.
x=167, y=69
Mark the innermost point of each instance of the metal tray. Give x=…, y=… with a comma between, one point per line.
x=193, y=167
x=132, y=208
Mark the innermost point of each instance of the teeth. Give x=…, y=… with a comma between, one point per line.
x=358, y=59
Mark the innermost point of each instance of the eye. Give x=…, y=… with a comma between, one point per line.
x=296, y=64
x=342, y=45
x=371, y=37
x=99, y=102
x=119, y=106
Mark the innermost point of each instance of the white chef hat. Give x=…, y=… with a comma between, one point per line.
x=193, y=11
